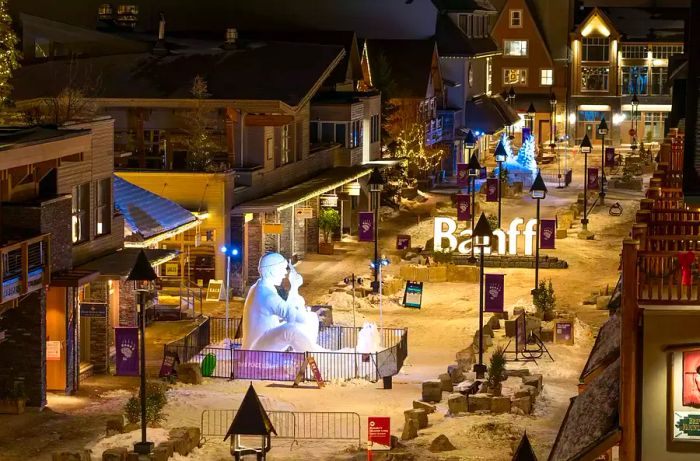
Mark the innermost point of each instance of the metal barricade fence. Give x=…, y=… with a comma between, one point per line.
x=294, y=425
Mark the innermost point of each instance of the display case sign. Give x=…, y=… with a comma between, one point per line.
x=413, y=295
x=53, y=350
x=564, y=332
x=403, y=241
x=379, y=433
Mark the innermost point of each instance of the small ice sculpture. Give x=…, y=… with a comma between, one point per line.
x=271, y=323
x=523, y=164
x=368, y=339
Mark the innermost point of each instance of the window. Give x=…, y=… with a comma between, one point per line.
x=516, y=18
x=465, y=23
x=653, y=125
x=634, y=51
x=665, y=51
x=595, y=49
x=284, y=145
x=515, y=76
x=103, y=220
x=81, y=213
x=634, y=79
x=355, y=134
x=270, y=147
x=659, y=76
x=478, y=27
x=515, y=47
x=594, y=78
x=546, y=77
x=375, y=128
x=105, y=11
x=340, y=129
x=42, y=47
x=127, y=9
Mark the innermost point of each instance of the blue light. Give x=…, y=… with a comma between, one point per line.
x=234, y=251
x=223, y=249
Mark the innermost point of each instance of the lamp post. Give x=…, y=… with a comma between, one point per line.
x=586, y=148
x=553, y=111
x=142, y=275
x=538, y=191
x=501, y=155
x=469, y=144
x=511, y=101
x=481, y=238
x=635, y=110
x=229, y=252
x=376, y=185
x=473, y=170
x=531, y=117
x=602, y=131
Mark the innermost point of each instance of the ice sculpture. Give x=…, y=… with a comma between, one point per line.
x=271, y=323
x=524, y=163
x=368, y=339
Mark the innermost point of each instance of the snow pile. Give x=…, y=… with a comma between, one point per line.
x=155, y=435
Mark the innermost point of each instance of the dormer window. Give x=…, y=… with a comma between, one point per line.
x=127, y=15
x=466, y=24
x=105, y=12
x=516, y=18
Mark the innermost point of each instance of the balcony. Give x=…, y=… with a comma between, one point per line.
x=24, y=267
x=433, y=131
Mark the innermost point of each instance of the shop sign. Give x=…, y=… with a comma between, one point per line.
x=446, y=229
x=304, y=212
x=272, y=228
x=171, y=268
x=170, y=359
x=53, y=350
x=93, y=310
x=687, y=425
x=214, y=289
x=329, y=200
x=379, y=432
x=352, y=189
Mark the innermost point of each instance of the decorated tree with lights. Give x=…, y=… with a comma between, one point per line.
x=421, y=159
x=9, y=56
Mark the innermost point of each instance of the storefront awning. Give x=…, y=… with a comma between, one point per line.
x=120, y=263
x=73, y=278
x=326, y=181
x=489, y=114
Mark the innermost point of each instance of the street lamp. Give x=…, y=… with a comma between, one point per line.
x=376, y=185
x=229, y=252
x=553, y=111
x=469, y=144
x=635, y=109
x=531, y=117
x=143, y=276
x=474, y=171
x=501, y=155
x=511, y=101
x=538, y=191
x=602, y=131
x=586, y=148
x=481, y=237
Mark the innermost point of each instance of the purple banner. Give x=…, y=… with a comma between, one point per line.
x=483, y=173
x=403, y=241
x=463, y=207
x=548, y=233
x=462, y=174
x=526, y=134
x=492, y=190
x=126, y=340
x=609, y=156
x=593, y=178
x=366, y=226
x=494, y=293
x=270, y=366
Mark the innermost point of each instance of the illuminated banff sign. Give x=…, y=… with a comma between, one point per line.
x=446, y=229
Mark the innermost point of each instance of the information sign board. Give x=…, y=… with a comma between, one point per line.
x=379, y=432
x=413, y=294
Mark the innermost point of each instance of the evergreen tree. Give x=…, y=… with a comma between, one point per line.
x=383, y=81
x=9, y=56
x=199, y=143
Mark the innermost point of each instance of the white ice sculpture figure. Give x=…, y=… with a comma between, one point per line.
x=368, y=340
x=271, y=323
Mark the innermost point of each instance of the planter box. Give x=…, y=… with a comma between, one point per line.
x=325, y=248
x=12, y=406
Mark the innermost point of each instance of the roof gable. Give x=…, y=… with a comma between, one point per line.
x=501, y=29
x=597, y=23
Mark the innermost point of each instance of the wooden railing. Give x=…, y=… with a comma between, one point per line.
x=660, y=279
x=24, y=267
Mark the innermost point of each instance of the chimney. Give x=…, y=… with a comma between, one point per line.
x=231, y=39
x=160, y=49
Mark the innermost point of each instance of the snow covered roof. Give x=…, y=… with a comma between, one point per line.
x=606, y=348
x=489, y=113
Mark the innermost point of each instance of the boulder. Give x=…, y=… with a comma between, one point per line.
x=524, y=404
x=601, y=302
x=189, y=373
x=419, y=415
x=457, y=403
x=168, y=446
x=488, y=331
x=561, y=234
x=510, y=328
x=160, y=454
x=71, y=456
x=488, y=340
x=534, y=381
x=494, y=323
x=519, y=372
x=418, y=405
x=115, y=454
x=432, y=391
x=533, y=324
x=115, y=426
x=479, y=402
x=456, y=374
x=410, y=430
x=441, y=443
x=468, y=387
x=446, y=382
x=132, y=456
x=500, y=405
x=131, y=427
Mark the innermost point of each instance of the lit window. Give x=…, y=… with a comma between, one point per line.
x=595, y=49
x=103, y=220
x=355, y=134
x=546, y=77
x=81, y=213
x=284, y=147
x=516, y=18
x=515, y=47
x=515, y=76
x=594, y=78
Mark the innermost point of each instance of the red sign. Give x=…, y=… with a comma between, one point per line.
x=379, y=432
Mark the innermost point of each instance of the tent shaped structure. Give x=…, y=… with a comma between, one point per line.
x=524, y=451
x=251, y=419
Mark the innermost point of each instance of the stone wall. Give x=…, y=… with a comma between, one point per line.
x=546, y=262
x=127, y=305
x=23, y=353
